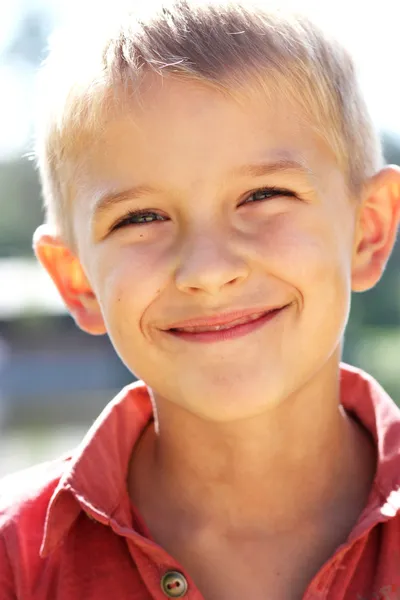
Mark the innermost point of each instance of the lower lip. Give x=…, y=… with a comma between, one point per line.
x=227, y=334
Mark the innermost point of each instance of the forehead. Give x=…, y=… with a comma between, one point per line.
x=180, y=133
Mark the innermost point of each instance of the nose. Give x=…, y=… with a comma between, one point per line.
x=208, y=263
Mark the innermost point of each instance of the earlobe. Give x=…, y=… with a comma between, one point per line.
x=376, y=228
x=69, y=277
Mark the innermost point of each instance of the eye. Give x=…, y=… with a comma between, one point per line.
x=266, y=194
x=138, y=217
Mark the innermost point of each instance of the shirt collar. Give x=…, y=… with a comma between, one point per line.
x=363, y=396
x=95, y=477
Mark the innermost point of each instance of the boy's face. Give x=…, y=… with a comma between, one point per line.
x=191, y=160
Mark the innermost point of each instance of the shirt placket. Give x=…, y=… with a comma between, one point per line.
x=162, y=576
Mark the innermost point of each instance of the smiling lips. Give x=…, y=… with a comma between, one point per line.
x=222, y=327
x=228, y=325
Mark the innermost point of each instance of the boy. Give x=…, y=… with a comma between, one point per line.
x=214, y=191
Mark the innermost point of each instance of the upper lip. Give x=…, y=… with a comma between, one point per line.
x=222, y=318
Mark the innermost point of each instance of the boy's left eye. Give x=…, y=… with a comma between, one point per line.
x=266, y=194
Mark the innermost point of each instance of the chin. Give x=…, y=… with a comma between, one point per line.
x=228, y=403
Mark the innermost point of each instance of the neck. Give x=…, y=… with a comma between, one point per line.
x=282, y=469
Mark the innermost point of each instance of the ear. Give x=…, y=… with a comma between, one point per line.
x=67, y=273
x=377, y=223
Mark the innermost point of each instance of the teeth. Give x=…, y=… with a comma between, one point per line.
x=220, y=327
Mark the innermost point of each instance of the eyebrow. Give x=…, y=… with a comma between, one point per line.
x=107, y=201
x=269, y=168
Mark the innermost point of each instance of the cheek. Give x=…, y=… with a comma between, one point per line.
x=310, y=253
x=128, y=282
x=310, y=257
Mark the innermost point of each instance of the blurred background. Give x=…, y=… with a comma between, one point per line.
x=54, y=379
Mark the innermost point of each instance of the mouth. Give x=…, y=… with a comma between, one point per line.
x=237, y=327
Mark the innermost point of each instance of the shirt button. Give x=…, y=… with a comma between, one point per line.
x=174, y=584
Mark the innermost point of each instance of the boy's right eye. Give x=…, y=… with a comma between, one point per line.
x=138, y=217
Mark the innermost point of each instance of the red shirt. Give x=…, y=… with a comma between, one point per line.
x=68, y=530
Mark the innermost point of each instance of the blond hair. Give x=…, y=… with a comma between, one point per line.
x=219, y=43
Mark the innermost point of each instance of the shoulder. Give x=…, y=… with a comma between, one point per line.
x=24, y=499
x=24, y=490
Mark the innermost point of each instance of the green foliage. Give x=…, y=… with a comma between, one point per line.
x=20, y=207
